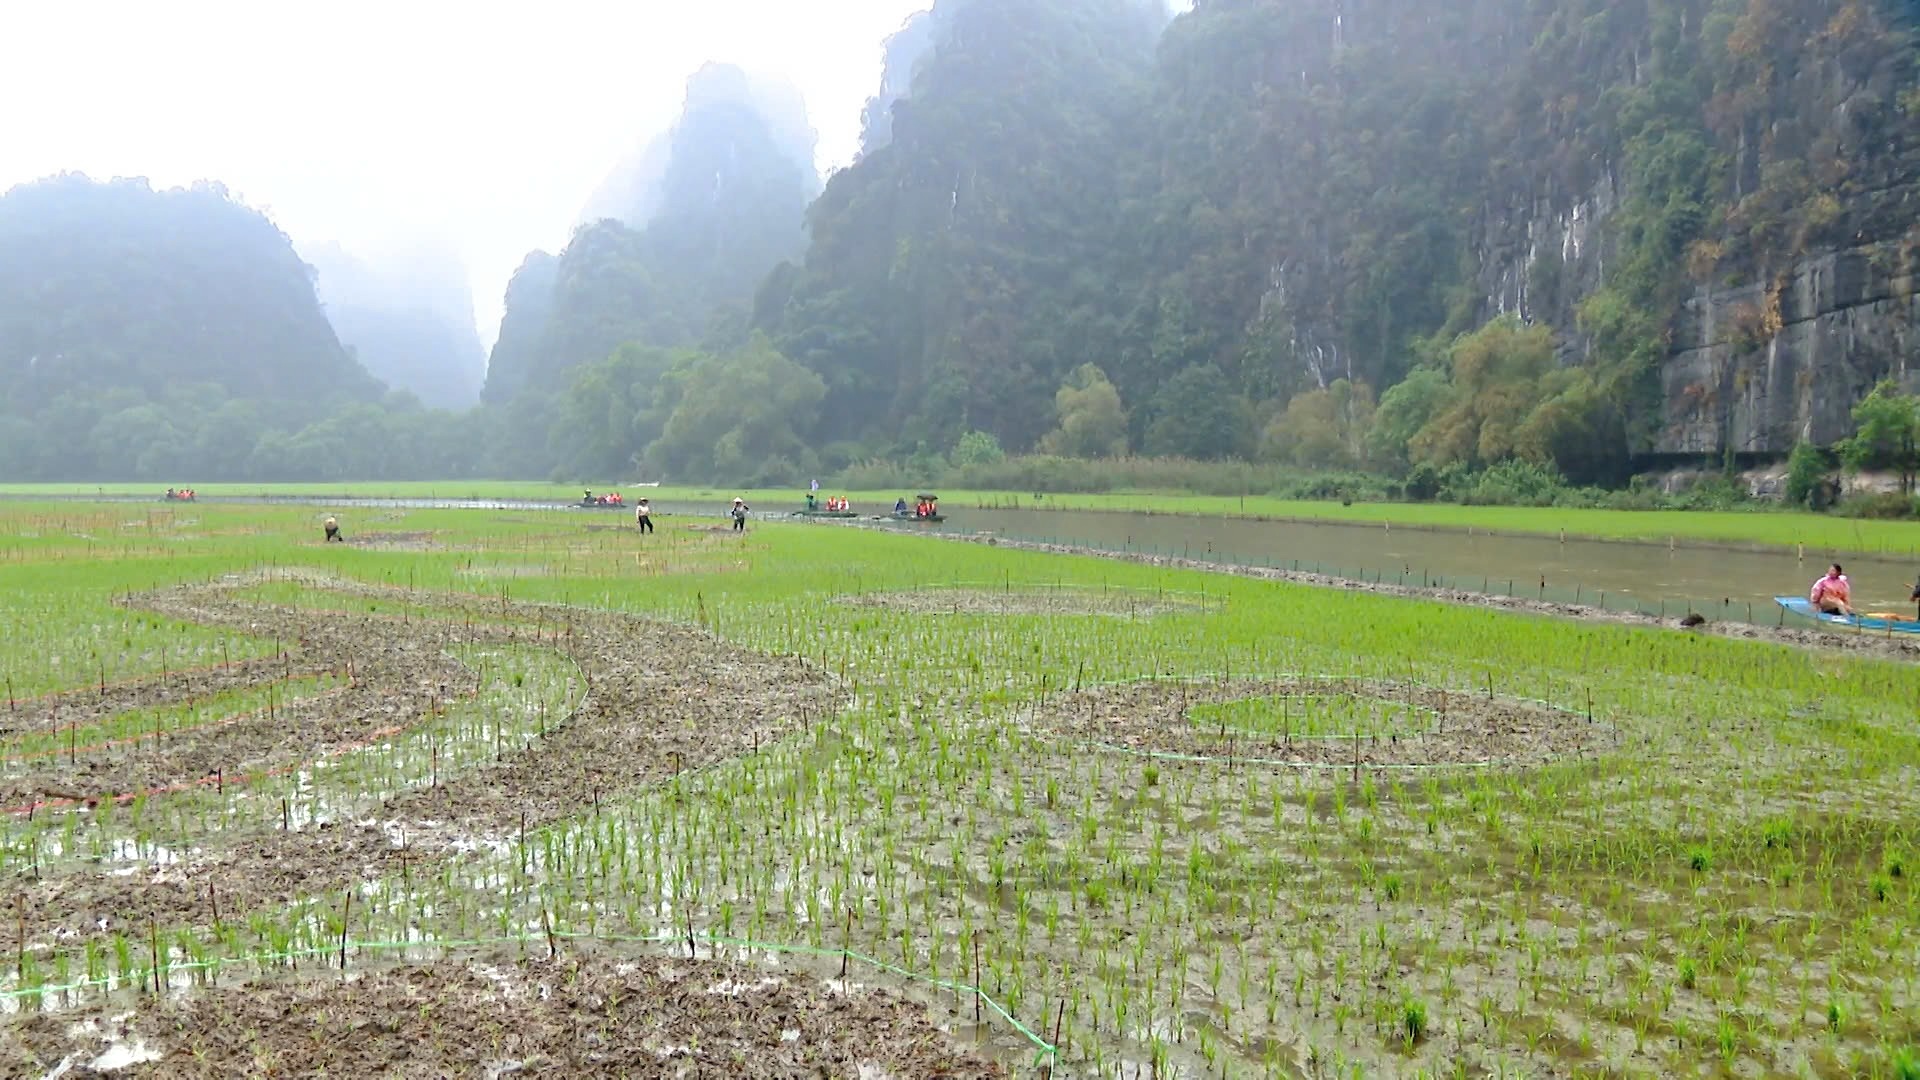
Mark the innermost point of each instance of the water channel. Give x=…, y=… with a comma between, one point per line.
x=1717, y=582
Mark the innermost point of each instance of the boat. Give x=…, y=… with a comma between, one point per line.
x=178, y=496
x=840, y=514
x=926, y=511
x=1881, y=621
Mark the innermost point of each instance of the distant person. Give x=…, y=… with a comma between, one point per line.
x=171, y=494
x=812, y=502
x=900, y=507
x=739, y=514
x=643, y=516
x=333, y=531
x=1833, y=594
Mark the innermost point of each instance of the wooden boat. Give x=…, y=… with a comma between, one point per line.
x=915, y=519
x=1882, y=622
x=841, y=514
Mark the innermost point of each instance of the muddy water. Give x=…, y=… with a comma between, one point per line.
x=1730, y=584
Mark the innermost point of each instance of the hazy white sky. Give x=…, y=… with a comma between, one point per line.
x=482, y=125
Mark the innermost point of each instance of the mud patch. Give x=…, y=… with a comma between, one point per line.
x=1329, y=722
x=1027, y=600
x=646, y=1016
x=394, y=541
x=661, y=699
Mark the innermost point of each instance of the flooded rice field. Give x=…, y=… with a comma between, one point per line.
x=828, y=802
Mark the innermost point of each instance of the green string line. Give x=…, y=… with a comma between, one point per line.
x=1043, y=1048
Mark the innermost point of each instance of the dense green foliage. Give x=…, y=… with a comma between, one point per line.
x=1414, y=240
x=1282, y=199
x=144, y=333
x=1889, y=434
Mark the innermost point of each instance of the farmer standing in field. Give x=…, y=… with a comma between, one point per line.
x=643, y=516
x=739, y=514
x=333, y=531
x=1833, y=594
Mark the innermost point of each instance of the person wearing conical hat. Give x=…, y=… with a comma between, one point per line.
x=739, y=515
x=333, y=530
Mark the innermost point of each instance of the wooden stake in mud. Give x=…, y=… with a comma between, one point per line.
x=153, y=938
x=546, y=921
x=20, y=916
x=976, y=979
x=1059, y=1018
x=346, y=920
x=11, y=707
x=213, y=900
x=845, y=940
x=286, y=816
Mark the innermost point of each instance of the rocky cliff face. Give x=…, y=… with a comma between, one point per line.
x=1762, y=366
x=1803, y=288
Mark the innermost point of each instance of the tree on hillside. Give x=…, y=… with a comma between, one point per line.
x=1887, y=434
x=1324, y=428
x=1404, y=410
x=736, y=416
x=1496, y=373
x=1092, y=423
x=1199, y=416
x=606, y=417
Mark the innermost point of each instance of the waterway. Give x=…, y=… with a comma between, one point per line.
x=1717, y=582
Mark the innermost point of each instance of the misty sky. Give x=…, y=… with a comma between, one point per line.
x=478, y=127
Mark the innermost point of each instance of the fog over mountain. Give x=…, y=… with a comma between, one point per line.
x=408, y=317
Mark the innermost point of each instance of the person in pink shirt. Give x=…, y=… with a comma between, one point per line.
x=1833, y=594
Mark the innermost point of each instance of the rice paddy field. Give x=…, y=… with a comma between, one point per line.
x=505, y=792
x=1756, y=528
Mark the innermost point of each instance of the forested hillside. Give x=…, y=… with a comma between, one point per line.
x=1692, y=196
x=683, y=249
x=1372, y=234
x=141, y=329
x=1392, y=236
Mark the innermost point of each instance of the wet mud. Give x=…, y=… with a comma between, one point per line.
x=1454, y=728
x=660, y=699
x=646, y=1016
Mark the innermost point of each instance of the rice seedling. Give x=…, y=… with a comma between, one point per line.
x=1703, y=839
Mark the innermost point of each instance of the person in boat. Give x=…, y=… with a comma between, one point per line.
x=739, y=515
x=813, y=503
x=900, y=508
x=1833, y=594
x=332, y=526
x=171, y=494
x=643, y=516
